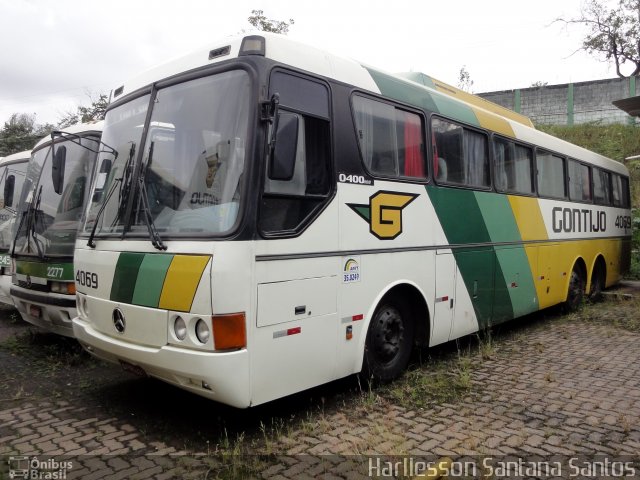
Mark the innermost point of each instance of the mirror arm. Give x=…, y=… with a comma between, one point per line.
x=274, y=108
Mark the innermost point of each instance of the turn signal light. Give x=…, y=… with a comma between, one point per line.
x=229, y=331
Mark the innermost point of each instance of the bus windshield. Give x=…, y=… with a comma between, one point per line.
x=48, y=219
x=192, y=159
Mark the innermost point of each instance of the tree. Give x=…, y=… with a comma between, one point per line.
x=613, y=33
x=539, y=83
x=95, y=111
x=20, y=133
x=464, y=80
x=264, y=24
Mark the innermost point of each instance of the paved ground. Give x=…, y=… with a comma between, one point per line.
x=545, y=386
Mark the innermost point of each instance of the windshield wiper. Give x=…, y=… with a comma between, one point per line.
x=156, y=240
x=30, y=215
x=34, y=223
x=125, y=184
x=77, y=139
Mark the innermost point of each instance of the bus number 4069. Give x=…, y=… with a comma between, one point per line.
x=87, y=279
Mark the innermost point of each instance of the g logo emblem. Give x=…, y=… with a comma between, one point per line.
x=384, y=213
x=118, y=321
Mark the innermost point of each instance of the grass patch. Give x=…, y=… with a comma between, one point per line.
x=445, y=378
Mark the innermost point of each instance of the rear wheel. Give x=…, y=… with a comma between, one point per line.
x=597, y=283
x=575, y=294
x=389, y=342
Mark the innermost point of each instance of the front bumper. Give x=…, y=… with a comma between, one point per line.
x=56, y=310
x=223, y=377
x=5, y=290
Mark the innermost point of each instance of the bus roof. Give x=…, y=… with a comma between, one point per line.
x=16, y=157
x=77, y=129
x=416, y=89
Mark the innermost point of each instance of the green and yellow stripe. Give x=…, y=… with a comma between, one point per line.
x=158, y=280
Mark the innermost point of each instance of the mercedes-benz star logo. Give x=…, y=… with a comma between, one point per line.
x=118, y=320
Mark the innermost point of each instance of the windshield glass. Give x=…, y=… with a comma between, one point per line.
x=11, y=174
x=192, y=159
x=48, y=219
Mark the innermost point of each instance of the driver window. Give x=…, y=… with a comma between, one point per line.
x=287, y=203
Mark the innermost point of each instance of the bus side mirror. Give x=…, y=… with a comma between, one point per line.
x=9, y=187
x=101, y=179
x=57, y=169
x=283, y=159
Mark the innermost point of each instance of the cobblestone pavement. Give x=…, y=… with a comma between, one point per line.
x=547, y=386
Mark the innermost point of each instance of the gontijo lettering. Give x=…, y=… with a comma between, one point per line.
x=578, y=220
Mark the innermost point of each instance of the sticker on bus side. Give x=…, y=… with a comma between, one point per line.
x=351, y=269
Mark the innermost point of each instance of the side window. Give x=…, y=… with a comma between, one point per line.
x=601, y=187
x=618, y=191
x=579, y=181
x=513, y=167
x=390, y=139
x=550, y=175
x=626, y=194
x=297, y=174
x=460, y=155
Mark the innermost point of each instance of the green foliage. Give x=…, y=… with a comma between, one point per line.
x=95, y=111
x=264, y=24
x=20, y=133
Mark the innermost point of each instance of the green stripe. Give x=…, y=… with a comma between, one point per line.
x=398, y=89
x=125, y=276
x=151, y=275
x=498, y=217
x=54, y=271
x=515, y=290
x=459, y=214
x=514, y=265
x=455, y=109
x=435, y=101
x=420, y=78
x=498, y=279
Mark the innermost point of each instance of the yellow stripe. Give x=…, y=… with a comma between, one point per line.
x=494, y=122
x=483, y=103
x=182, y=281
x=528, y=217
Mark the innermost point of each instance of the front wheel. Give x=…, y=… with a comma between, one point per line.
x=389, y=342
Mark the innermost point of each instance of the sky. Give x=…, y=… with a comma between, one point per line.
x=55, y=55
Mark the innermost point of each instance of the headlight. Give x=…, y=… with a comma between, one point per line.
x=202, y=331
x=180, y=328
x=68, y=288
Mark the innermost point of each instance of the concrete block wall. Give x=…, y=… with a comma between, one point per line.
x=571, y=103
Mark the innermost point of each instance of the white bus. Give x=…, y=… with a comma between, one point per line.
x=277, y=217
x=53, y=200
x=12, y=172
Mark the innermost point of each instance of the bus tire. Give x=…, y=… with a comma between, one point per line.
x=389, y=342
x=575, y=293
x=597, y=281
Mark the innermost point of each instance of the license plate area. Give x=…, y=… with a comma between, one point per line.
x=134, y=369
x=35, y=311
